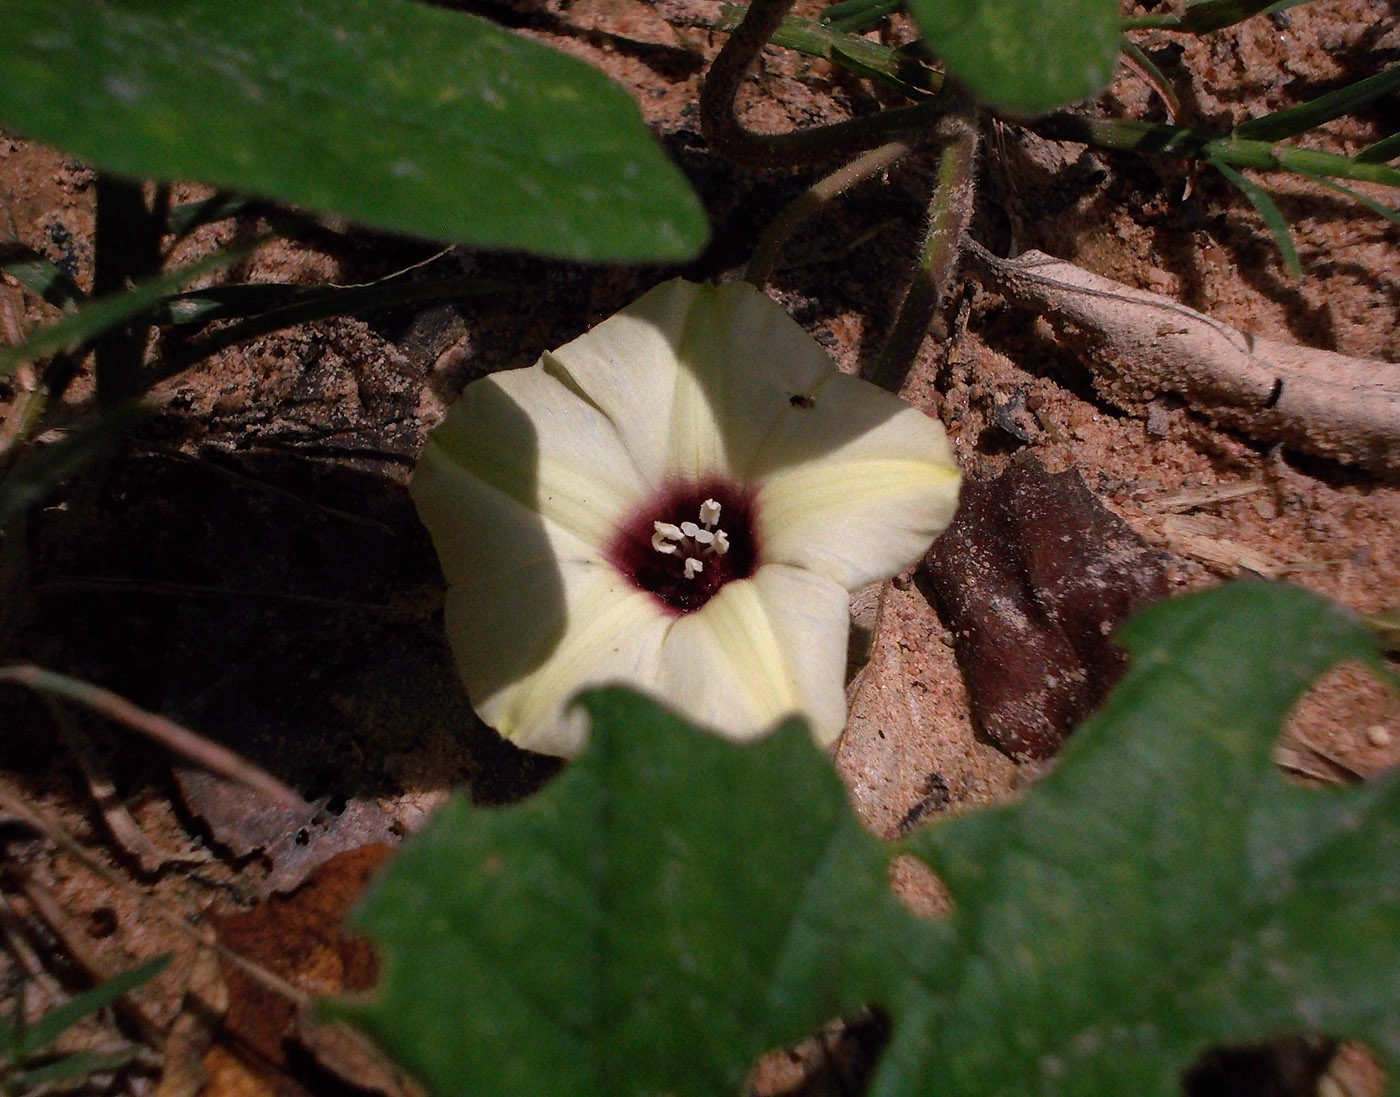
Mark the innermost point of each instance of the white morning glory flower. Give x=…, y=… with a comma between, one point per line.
x=679, y=500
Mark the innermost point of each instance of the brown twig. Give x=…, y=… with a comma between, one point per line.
x=187, y=744
x=120, y=825
x=93, y=962
x=1139, y=344
x=802, y=147
x=39, y=820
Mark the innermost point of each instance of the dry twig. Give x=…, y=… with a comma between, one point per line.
x=195, y=748
x=1142, y=344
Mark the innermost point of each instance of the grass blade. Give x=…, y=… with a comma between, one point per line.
x=317, y=303
x=39, y=275
x=854, y=16
x=43, y=468
x=1383, y=151
x=58, y=1020
x=1260, y=200
x=80, y=328
x=1292, y=121
x=81, y=1064
x=1393, y=216
x=184, y=219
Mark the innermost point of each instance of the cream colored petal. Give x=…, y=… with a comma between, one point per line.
x=601, y=630
x=627, y=366
x=762, y=649
x=533, y=614
x=855, y=486
x=532, y=439
x=693, y=376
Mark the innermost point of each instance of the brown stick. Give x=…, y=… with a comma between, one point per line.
x=195, y=748
x=1143, y=344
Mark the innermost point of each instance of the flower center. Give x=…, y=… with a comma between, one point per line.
x=685, y=545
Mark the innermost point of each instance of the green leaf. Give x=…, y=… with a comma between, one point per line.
x=43, y=467
x=1163, y=889
x=81, y=1064
x=59, y=1020
x=669, y=907
x=1387, y=148
x=1024, y=56
x=77, y=329
x=39, y=275
x=1264, y=205
x=401, y=115
x=673, y=903
x=1316, y=112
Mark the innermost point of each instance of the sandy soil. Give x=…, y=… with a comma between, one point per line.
x=253, y=567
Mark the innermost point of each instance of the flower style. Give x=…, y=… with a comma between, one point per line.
x=680, y=500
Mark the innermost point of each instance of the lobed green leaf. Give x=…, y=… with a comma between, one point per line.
x=668, y=908
x=673, y=903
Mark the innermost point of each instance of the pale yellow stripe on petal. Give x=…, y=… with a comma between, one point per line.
x=855, y=522
x=725, y=666
x=608, y=632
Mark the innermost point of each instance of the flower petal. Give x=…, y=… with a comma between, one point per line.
x=854, y=485
x=534, y=441
x=596, y=628
x=759, y=650
x=693, y=376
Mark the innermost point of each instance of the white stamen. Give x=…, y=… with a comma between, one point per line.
x=693, y=567
x=704, y=537
x=690, y=529
x=709, y=513
x=661, y=544
x=668, y=531
x=721, y=542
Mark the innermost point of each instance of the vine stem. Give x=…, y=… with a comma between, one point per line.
x=806, y=147
x=950, y=210
x=811, y=200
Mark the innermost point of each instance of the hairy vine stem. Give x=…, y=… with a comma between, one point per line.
x=950, y=210
x=807, y=147
x=813, y=199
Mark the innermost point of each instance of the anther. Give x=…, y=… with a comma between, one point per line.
x=661, y=544
x=709, y=513
x=693, y=567
x=690, y=529
x=721, y=542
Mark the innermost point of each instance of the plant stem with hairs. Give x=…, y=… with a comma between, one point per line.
x=950, y=209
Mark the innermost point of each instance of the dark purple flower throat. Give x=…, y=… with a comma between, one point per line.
x=686, y=542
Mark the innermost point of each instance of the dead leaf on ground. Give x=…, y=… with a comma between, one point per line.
x=1032, y=577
